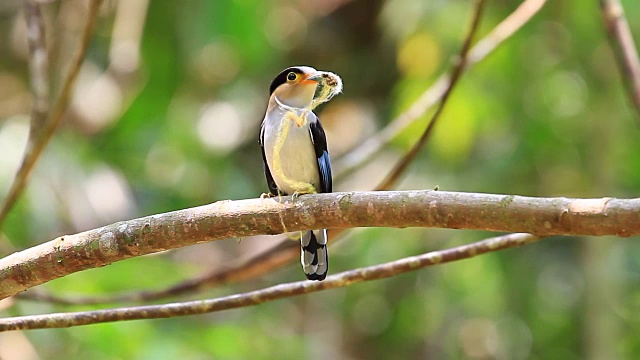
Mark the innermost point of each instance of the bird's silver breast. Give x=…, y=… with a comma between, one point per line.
x=298, y=162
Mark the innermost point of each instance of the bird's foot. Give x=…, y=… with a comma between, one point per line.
x=266, y=195
x=310, y=190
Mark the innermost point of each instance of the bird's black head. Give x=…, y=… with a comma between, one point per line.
x=285, y=76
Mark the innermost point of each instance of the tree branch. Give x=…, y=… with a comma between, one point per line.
x=224, y=219
x=39, y=137
x=240, y=269
x=372, y=145
x=38, y=66
x=623, y=46
x=256, y=297
x=461, y=61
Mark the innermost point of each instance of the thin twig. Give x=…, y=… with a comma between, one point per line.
x=381, y=271
x=365, y=152
x=461, y=61
x=287, y=251
x=281, y=256
x=38, y=141
x=38, y=67
x=624, y=48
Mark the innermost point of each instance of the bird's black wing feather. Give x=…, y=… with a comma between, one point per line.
x=322, y=154
x=273, y=188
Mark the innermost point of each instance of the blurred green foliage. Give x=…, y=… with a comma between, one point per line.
x=170, y=119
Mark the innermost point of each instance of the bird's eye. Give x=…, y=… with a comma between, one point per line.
x=292, y=76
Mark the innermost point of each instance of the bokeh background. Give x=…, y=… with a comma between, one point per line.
x=166, y=115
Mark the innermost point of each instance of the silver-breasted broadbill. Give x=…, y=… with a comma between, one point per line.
x=294, y=149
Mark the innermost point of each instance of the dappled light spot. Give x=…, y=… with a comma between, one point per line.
x=419, y=55
x=217, y=63
x=13, y=139
x=219, y=127
x=479, y=338
x=285, y=27
x=346, y=123
x=109, y=195
x=371, y=314
x=97, y=99
x=165, y=165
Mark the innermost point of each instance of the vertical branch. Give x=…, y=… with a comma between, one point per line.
x=457, y=71
x=38, y=139
x=38, y=66
x=624, y=48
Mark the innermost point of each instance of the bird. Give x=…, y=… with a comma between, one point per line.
x=294, y=149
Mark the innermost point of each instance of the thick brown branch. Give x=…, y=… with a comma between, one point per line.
x=224, y=219
x=623, y=47
x=346, y=278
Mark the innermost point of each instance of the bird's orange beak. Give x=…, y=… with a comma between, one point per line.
x=314, y=79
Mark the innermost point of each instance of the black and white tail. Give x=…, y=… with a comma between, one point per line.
x=313, y=254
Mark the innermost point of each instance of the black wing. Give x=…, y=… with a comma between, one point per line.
x=273, y=188
x=322, y=154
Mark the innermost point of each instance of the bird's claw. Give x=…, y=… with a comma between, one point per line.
x=266, y=195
